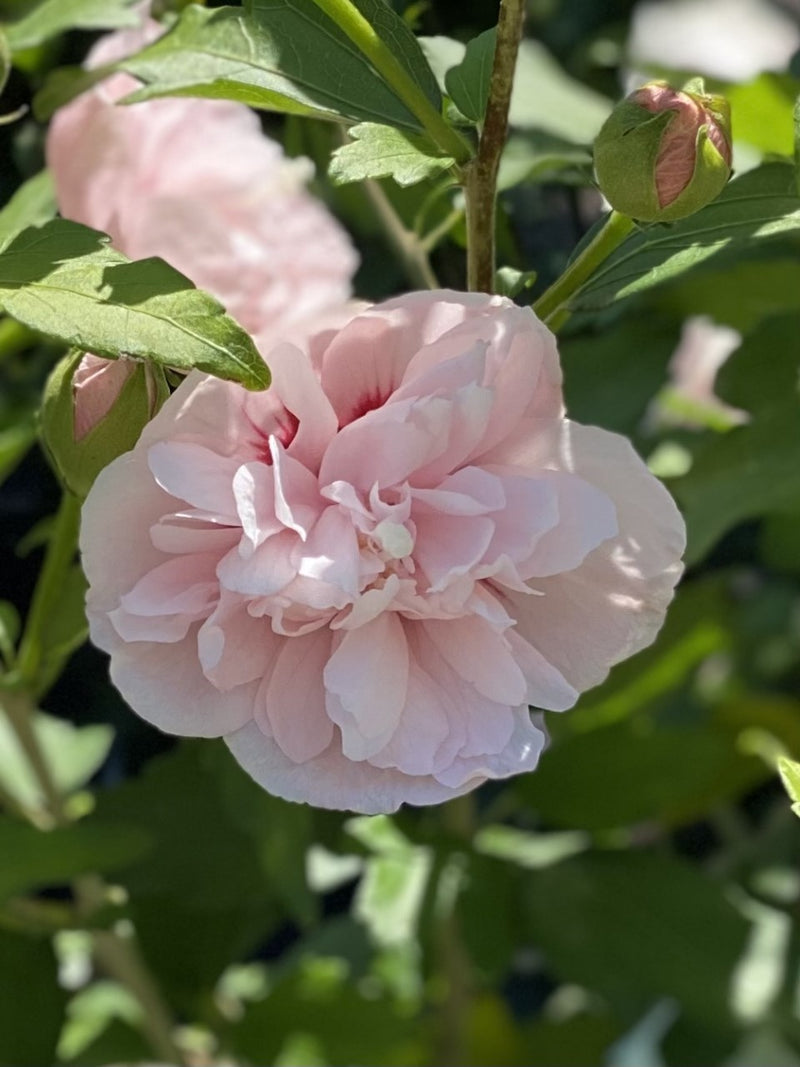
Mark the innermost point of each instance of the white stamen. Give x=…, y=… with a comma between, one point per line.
x=394, y=539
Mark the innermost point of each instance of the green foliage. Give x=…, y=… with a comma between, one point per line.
x=468, y=82
x=27, y=964
x=74, y=752
x=52, y=17
x=759, y=205
x=790, y=776
x=285, y=56
x=383, y=152
x=64, y=280
x=34, y=860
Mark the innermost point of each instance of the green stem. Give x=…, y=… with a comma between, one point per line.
x=552, y=307
x=49, y=588
x=409, y=248
x=366, y=38
x=19, y=710
x=480, y=186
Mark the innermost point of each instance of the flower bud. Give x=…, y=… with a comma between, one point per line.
x=94, y=410
x=664, y=153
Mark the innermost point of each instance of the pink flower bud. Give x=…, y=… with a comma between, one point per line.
x=664, y=153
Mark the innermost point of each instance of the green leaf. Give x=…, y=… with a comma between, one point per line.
x=74, y=753
x=52, y=17
x=35, y=859
x=789, y=771
x=759, y=205
x=534, y=156
x=65, y=629
x=31, y=205
x=544, y=97
x=468, y=82
x=285, y=56
x=202, y=897
x=383, y=152
x=30, y=1023
x=390, y=894
x=63, y=280
x=748, y=472
x=628, y=773
x=635, y=926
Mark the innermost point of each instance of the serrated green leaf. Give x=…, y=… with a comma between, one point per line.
x=383, y=152
x=63, y=280
x=52, y=17
x=35, y=859
x=468, y=82
x=31, y=205
x=748, y=472
x=759, y=205
x=74, y=753
x=285, y=55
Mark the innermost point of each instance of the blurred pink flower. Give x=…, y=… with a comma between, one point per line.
x=363, y=576
x=197, y=183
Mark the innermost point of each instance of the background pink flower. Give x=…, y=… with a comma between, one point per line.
x=197, y=183
x=364, y=576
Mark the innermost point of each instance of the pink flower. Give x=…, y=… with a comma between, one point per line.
x=197, y=183
x=363, y=576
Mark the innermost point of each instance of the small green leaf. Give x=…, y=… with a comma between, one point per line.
x=31, y=205
x=285, y=55
x=63, y=280
x=759, y=205
x=34, y=859
x=511, y=282
x=468, y=82
x=15, y=442
x=383, y=152
x=74, y=752
x=789, y=771
x=52, y=17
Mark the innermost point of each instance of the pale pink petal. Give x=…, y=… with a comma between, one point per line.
x=295, y=700
x=262, y=572
x=166, y=685
x=298, y=386
x=195, y=474
x=480, y=656
x=449, y=546
x=233, y=647
x=586, y=518
x=331, y=552
x=614, y=603
x=366, y=680
x=297, y=500
x=331, y=780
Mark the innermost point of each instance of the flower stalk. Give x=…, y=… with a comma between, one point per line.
x=480, y=187
x=552, y=307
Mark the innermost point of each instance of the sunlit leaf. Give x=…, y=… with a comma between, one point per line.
x=64, y=280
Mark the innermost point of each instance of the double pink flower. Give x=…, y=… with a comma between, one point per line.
x=364, y=576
